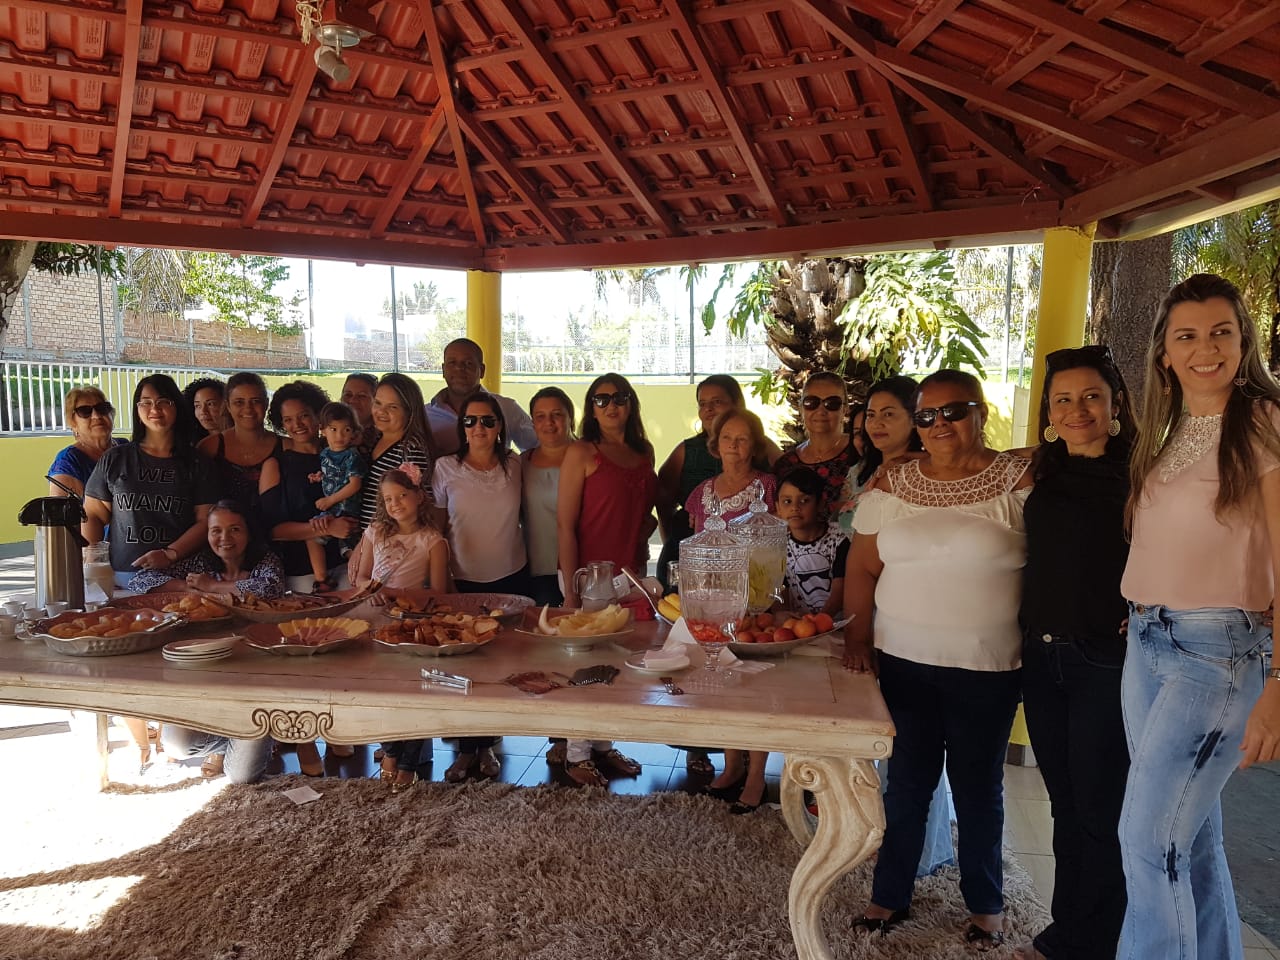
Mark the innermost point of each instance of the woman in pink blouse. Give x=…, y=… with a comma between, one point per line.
x=1198, y=699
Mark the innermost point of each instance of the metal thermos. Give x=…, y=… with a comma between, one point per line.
x=59, y=568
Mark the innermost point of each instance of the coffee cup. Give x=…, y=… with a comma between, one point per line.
x=8, y=626
x=13, y=608
x=56, y=607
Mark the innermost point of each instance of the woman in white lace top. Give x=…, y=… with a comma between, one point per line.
x=937, y=555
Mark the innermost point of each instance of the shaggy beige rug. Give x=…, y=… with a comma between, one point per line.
x=465, y=873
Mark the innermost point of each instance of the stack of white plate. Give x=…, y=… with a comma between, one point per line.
x=199, y=651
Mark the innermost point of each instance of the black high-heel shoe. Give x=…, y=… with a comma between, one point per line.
x=729, y=792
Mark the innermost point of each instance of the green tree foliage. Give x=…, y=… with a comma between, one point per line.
x=241, y=291
x=1244, y=247
x=18, y=257
x=861, y=318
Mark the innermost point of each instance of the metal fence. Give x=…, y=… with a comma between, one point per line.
x=31, y=392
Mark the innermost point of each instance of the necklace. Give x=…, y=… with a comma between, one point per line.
x=1194, y=437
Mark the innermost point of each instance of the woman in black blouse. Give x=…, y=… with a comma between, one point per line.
x=1073, y=651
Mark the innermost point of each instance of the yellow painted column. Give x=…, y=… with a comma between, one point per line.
x=1064, y=304
x=484, y=322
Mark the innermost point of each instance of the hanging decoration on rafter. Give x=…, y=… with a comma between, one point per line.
x=335, y=25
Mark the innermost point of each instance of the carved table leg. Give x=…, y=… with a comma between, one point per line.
x=849, y=829
x=797, y=818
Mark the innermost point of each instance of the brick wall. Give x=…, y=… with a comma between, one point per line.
x=57, y=319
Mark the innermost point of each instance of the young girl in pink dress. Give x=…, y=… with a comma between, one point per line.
x=405, y=552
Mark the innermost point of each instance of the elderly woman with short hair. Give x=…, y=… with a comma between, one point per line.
x=91, y=418
x=938, y=553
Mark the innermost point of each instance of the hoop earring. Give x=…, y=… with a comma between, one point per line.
x=1050, y=434
x=1113, y=427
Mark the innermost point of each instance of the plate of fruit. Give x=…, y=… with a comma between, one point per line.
x=773, y=634
x=576, y=630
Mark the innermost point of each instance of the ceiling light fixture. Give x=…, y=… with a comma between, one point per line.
x=335, y=26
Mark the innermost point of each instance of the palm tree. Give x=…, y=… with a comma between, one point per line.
x=864, y=318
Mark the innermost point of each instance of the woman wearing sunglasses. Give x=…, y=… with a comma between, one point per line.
x=607, y=492
x=1199, y=699
x=1072, y=652
x=937, y=554
x=91, y=418
x=827, y=449
x=479, y=488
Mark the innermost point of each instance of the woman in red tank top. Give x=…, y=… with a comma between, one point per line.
x=605, y=512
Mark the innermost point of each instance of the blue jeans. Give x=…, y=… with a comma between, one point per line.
x=960, y=718
x=1190, y=679
x=244, y=761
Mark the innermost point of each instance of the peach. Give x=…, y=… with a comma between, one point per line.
x=804, y=629
x=764, y=621
x=783, y=635
x=823, y=622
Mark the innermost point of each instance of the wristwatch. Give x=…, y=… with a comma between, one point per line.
x=1273, y=673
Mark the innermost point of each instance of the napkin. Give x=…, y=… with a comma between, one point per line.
x=729, y=661
x=301, y=795
x=674, y=653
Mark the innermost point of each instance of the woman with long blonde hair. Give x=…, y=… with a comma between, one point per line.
x=1198, y=701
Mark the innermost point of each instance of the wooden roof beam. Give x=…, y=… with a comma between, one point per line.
x=698, y=52
x=293, y=108
x=1140, y=55
x=268, y=241
x=931, y=20
x=124, y=106
x=440, y=66
x=1242, y=149
x=1025, y=221
x=995, y=142
x=496, y=154
x=565, y=88
x=905, y=134
x=410, y=171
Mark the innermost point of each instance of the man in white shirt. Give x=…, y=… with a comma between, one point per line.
x=463, y=368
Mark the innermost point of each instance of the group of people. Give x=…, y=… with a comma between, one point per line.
x=1071, y=576
x=1118, y=579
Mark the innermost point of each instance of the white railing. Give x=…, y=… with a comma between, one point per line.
x=31, y=392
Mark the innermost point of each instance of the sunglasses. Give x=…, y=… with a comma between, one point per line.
x=87, y=410
x=827, y=403
x=619, y=399
x=951, y=412
x=488, y=421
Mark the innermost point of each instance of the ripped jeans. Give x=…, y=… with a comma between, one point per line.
x=1190, y=679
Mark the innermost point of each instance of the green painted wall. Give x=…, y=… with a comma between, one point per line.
x=669, y=410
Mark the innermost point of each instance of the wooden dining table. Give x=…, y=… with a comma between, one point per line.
x=831, y=725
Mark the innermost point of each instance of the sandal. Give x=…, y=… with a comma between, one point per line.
x=615, y=761
x=460, y=768
x=585, y=773
x=557, y=753
x=489, y=766
x=983, y=940
x=699, y=764
x=880, y=925
x=212, y=766
x=309, y=761
x=403, y=780
x=387, y=771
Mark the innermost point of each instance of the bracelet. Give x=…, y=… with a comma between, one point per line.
x=1273, y=673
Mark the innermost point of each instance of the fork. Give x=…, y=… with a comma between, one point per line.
x=670, y=684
